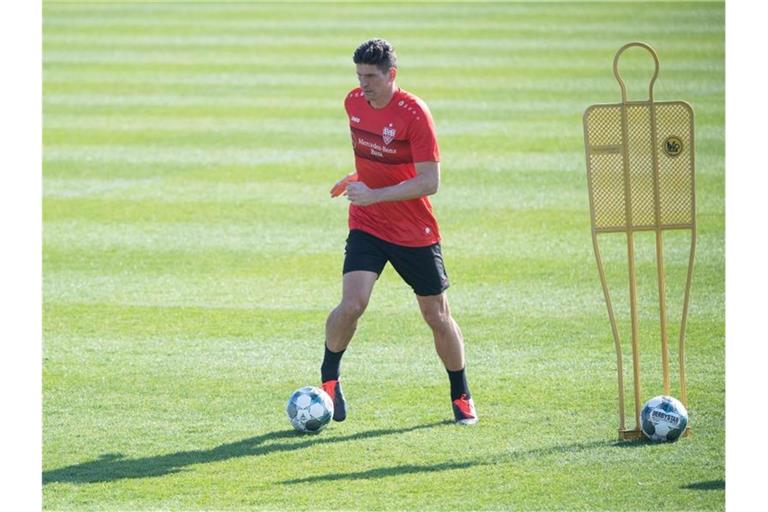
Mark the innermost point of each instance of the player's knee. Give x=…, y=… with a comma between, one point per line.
x=437, y=318
x=352, y=308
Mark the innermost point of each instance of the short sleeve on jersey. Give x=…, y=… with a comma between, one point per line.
x=423, y=138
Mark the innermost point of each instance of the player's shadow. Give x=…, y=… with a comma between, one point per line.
x=710, y=485
x=406, y=469
x=112, y=466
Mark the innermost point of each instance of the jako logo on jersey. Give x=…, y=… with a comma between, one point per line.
x=389, y=134
x=355, y=119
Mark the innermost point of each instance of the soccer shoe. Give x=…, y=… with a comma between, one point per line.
x=333, y=388
x=464, y=411
x=341, y=186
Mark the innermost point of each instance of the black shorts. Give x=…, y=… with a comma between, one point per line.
x=421, y=267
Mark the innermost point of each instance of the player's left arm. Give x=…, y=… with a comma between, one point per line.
x=425, y=183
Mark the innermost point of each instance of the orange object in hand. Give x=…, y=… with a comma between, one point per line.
x=341, y=186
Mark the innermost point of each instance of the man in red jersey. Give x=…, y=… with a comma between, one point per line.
x=397, y=163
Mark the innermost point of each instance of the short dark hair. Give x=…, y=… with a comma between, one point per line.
x=377, y=52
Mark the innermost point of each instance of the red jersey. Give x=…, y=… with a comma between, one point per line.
x=387, y=144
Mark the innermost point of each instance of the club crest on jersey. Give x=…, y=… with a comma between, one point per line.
x=389, y=134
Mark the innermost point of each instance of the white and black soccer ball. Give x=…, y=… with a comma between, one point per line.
x=310, y=409
x=663, y=418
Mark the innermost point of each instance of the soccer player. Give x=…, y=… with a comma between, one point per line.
x=397, y=164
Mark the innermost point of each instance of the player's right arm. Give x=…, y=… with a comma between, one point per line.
x=425, y=183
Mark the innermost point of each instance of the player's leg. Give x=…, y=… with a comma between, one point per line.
x=339, y=329
x=449, y=341
x=342, y=322
x=423, y=269
x=363, y=263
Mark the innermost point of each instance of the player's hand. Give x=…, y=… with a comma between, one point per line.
x=358, y=193
x=341, y=186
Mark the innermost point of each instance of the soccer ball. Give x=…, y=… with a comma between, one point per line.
x=310, y=409
x=663, y=418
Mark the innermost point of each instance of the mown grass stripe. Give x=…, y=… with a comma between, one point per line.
x=691, y=20
x=73, y=129
x=238, y=32
x=289, y=43
x=181, y=154
x=460, y=107
x=504, y=84
x=155, y=189
x=222, y=62
x=252, y=57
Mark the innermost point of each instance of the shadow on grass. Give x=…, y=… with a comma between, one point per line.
x=405, y=469
x=451, y=465
x=710, y=485
x=112, y=466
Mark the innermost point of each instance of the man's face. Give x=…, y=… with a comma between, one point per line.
x=375, y=83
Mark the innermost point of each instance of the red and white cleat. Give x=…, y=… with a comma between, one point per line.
x=464, y=411
x=333, y=388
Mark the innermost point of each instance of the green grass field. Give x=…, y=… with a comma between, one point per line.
x=191, y=255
